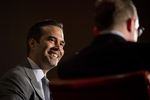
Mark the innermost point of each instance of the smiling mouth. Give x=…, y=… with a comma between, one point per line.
x=53, y=55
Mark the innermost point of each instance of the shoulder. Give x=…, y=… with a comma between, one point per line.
x=15, y=83
x=14, y=77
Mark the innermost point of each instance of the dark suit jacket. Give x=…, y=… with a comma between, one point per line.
x=108, y=55
x=20, y=84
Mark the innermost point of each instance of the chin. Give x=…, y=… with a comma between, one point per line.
x=54, y=63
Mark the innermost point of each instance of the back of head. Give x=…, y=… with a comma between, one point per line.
x=109, y=13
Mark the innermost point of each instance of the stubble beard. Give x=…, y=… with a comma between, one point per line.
x=50, y=62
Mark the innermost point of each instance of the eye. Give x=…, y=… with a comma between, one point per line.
x=62, y=44
x=51, y=39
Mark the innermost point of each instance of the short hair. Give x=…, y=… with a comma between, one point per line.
x=111, y=12
x=35, y=31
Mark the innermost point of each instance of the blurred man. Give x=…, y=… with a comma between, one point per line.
x=114, y=49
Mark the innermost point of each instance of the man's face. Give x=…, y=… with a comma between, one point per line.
x=50, y=48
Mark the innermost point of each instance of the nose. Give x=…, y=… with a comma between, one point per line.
x=55, y=48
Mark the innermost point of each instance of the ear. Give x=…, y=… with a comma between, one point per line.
x=130, y=24
x=32, y=43
x=96, y=31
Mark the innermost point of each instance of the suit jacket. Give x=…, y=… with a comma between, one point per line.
x=20, y=84
x=108, y=54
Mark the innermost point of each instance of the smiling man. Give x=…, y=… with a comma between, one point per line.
x=45, y=43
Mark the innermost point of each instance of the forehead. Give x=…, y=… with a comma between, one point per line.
x=53, y=31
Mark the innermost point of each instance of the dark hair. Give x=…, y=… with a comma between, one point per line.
x=111, y=12
x=35, y=31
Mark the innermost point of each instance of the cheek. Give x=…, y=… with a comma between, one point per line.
x=46, y=48
x=62, y=52
x=48, y=45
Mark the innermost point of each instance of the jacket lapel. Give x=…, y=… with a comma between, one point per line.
x=32, y=78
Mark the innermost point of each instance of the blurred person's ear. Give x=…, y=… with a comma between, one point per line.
x=131, y=24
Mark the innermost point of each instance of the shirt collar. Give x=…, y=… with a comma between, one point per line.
x=36, y=69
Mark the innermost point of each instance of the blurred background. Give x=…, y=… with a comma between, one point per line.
x=17, y=16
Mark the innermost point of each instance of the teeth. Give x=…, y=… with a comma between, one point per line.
x=55, y=55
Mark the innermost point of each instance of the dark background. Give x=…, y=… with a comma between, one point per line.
x=17, y=16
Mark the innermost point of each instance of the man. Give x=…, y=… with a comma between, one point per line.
x=45, y=43
x=114, y=49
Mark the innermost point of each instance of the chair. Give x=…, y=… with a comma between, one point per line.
x=130, y=86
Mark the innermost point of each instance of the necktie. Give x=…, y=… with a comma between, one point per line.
x=46, y=90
